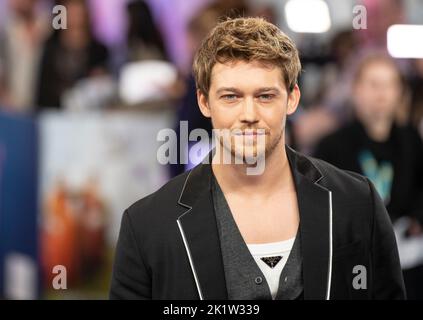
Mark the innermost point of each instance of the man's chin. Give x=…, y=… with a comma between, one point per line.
x=248, y=155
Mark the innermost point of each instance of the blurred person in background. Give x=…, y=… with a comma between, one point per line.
x=416, y=85
x=381, y=14
x=25, y=30
x=328, y=107
x=144, y=42
x=336, y=84
x=374, y=145
x=144, y=39
x=70, y=55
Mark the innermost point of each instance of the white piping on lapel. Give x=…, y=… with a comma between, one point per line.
x=188, y=251
x=330, y=262
x=197, y=283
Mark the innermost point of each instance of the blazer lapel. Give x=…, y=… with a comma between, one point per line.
x=199, y=230
x=315, y=208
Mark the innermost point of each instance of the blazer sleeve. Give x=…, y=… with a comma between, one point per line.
x=130, y=277
x=387, y=282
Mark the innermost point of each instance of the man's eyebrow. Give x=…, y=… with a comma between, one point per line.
x=266, y=89
x=230, y=89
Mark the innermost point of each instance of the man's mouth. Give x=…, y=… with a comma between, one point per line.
x=251, y=133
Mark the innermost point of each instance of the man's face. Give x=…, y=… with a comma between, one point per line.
x=377, y=92
x=245, y=97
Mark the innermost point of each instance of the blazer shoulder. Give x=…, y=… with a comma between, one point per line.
x=348, y=185
x=165, y=196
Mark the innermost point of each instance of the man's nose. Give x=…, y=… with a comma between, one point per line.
x=249, y=112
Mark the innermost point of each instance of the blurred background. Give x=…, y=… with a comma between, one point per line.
x=80, y=109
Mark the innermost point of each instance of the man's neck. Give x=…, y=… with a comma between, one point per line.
x=275, y=177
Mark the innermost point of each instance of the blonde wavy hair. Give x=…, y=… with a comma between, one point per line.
x=247, y=39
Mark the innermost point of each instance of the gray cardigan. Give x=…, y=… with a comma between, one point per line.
x=244, y=279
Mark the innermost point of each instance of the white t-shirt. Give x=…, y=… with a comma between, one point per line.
x=271, y=259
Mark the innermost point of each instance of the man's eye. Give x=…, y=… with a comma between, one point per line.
x=229, y=97
x=266, y=97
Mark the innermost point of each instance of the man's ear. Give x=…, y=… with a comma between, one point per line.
x=293, y=100
x=203, y=103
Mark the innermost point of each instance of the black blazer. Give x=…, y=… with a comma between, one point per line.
x=169, y=248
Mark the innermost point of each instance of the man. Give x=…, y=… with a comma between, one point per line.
x=373, y=145
x=302, y=229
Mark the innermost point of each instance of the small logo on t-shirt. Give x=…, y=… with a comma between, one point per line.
x=271, y=261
